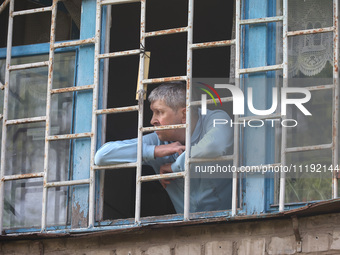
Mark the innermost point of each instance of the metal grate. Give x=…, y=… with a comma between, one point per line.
x=188, y=78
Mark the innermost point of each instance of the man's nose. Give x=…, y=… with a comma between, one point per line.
x=153, y=120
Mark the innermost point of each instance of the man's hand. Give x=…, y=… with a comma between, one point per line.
x=168, y=149
x=165, y=169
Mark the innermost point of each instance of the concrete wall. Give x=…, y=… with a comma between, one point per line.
x=320, y=235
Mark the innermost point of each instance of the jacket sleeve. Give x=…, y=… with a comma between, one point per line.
x=126, y=151
x=217, y=141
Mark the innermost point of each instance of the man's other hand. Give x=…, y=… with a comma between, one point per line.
x=168, y=149
x=165, y=169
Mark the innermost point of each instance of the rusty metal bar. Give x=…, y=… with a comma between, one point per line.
x=157, y=177
x=285, y=84
x=27, y=66
x=66, y=183
x=222, y=158
x=188, y=111
x=206, y=45
x=309, y=148
x=69, y=136
x=261, y=69
x=74, y=43
x=92, y=188
x=166, y=79
x=210, y=101
x=141, y=93
x=114, y=2
x=48, y=111
x=72, y=89
x=319, y=87
x=310, y=31
x=261, y=20
x=5, y=109
x=25, y=120
x=165, y=127
x=120, y=54
x=4, y=5
x=32, y=11
x=335, y=113
x=236, y=117
x=167, y=32
x=99, y=212
x=115, y=166
x=118, y=110
x=22, y=176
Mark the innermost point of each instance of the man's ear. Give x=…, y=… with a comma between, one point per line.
x=184, y=115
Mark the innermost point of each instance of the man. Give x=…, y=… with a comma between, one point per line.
x=164, y=150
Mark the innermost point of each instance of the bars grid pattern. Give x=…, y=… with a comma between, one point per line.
x=46, y=119
x=188, y=78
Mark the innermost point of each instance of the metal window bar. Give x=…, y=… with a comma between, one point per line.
x=32, y=11
x=4, y=5
x=236, y=117
x=335, y=95
x=6, y=122
x=5, y=110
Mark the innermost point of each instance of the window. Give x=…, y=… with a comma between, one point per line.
x=65, y=95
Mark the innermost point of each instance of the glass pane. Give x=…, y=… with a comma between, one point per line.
x=23, y=203
x=57, y=206
x=25, y=148
x=312, y=177
x=61, y=113
x=58, y=169
x=28, y=88
x=27, y=93
x=309, y=14
x=311, y=56
x=315, y=129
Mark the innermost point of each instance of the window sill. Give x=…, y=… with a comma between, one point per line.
x=317, y=208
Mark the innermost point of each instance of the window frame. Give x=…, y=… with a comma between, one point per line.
x=86, y=200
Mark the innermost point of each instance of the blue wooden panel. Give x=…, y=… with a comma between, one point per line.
x=256, y=148
x=34, y=49
x=83, y=116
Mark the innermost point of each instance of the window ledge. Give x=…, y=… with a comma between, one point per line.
x=311, y=209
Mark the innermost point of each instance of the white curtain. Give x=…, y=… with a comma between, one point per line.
x=309, y=54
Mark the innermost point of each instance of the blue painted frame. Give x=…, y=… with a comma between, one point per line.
x=259, y=50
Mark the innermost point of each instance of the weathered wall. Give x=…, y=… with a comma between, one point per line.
x=320, y=235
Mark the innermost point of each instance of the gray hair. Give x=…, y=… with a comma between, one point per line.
x=172, y=93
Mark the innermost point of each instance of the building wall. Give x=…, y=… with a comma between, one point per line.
x=320, y=235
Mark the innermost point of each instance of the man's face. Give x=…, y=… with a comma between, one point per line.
x=164, y=115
